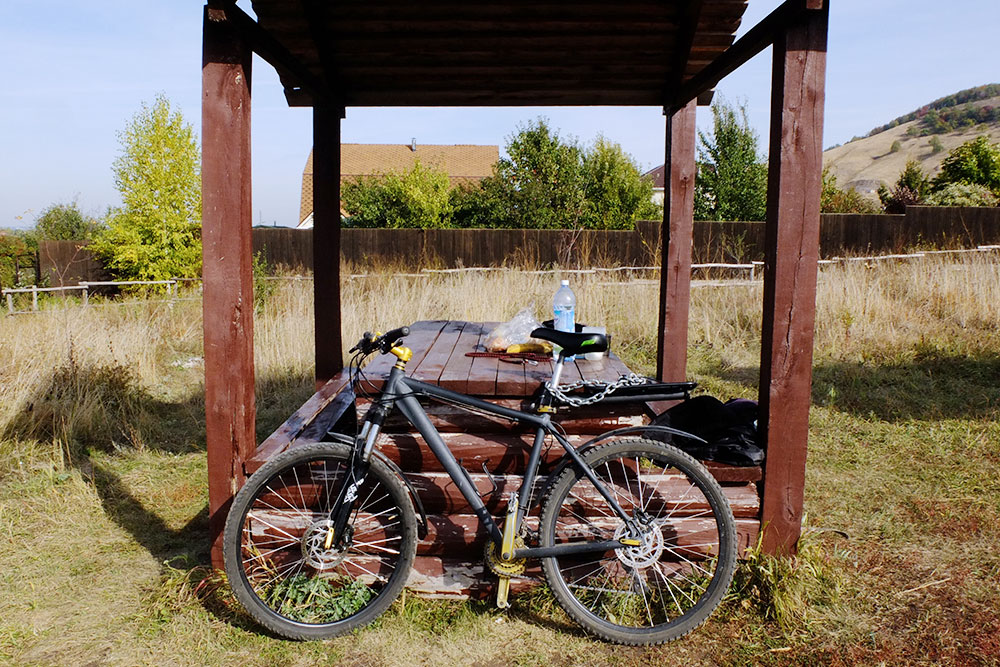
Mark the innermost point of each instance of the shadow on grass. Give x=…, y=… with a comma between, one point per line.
x=84, y=410
x=931, y=386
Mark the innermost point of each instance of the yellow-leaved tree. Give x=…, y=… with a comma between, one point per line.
x=156, y=233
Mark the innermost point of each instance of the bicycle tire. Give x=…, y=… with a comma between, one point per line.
x=274, y=551
x=671, y=583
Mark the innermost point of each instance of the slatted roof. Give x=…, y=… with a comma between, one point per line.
x=520, y=52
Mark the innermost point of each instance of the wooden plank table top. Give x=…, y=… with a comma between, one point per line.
x=439, y=357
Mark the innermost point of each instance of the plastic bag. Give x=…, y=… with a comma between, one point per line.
x=517, y=330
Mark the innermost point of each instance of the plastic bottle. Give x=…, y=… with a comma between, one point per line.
x=564, y=311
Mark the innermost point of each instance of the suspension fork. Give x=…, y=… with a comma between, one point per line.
x=340, y=513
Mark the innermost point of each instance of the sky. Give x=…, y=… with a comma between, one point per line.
x=75, y=73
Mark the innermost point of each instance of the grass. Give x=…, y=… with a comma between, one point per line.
x=102, y=477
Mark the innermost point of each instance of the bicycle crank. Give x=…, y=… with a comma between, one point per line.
x=503, y=564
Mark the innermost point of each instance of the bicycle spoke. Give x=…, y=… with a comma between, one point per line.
x=658, y=582
x=290, y=581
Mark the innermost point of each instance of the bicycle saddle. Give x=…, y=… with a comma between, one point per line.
x=573, y=343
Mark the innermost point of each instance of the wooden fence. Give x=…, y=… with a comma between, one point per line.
x=66, y=262
x=841, y=234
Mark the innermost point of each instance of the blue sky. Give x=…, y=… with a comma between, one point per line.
x=76, y=72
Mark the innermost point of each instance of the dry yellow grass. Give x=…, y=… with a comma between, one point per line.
x=904, y=459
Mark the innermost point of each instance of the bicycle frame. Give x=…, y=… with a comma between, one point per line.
x=402, y=391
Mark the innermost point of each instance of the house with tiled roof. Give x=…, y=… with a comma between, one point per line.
x=657, y=176
x=463, y=164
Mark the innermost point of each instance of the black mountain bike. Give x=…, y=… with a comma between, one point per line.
x=636, y=538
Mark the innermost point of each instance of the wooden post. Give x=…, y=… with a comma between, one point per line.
x=676, y=238
x=34, y=297
x=226, y=253
x=326, y=241
x=791, y=253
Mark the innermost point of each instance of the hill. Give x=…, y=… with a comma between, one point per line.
x=865, y=162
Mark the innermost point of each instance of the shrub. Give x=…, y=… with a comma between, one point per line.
x=415, y=198
x=962, y=194
x=12, y=250
x=65, y=222
x=896, y=145
x=976, y=161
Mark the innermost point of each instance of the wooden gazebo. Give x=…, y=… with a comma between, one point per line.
x=338, y=54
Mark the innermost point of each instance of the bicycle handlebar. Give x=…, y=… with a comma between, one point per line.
x=391, y=339
x=373, y=341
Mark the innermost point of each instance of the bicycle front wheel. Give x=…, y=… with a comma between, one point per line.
x=277, y=560
x=671, y=582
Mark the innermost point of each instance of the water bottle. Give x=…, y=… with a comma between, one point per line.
x=564, y=311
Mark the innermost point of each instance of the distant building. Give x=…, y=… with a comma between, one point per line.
x=656, y=175
x=865, y=186
x=463, y=164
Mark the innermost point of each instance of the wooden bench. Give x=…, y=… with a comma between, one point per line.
x=449, y=557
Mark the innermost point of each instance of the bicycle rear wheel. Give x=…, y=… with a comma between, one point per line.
x=668, y=585
x=275, y=550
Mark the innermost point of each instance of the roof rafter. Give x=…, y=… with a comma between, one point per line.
x=691, y=15
x=756, y=40
x=267, y=47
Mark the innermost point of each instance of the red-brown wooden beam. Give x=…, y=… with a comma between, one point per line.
x=326, y=241
x=791, y=254
x=227, y=218
x=676, y=238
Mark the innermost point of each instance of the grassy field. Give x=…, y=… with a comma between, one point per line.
x=102, y=477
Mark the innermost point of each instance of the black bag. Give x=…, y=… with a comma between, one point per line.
x=729, y=429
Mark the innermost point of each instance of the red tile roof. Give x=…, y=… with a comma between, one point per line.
x=463, y=163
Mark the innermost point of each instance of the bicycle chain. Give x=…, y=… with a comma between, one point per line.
x=630, y=380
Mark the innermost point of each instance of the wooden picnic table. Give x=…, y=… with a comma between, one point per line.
x=440, y=350
x=449, y=556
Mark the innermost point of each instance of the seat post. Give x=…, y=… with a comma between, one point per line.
x=557, y=368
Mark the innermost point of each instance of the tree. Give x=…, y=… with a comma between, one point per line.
x=156, y=233
x=976, y=161
x=616, y=194
x=911, y=188
x=538, y=185
x=731, y=183
x=416, y=198
x=936, y=145
x=65, y=222
x=544, y=182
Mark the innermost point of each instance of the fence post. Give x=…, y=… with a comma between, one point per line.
x=86, y=295
x=10, y=303
x=34, y=297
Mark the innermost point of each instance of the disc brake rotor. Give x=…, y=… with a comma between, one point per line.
x=314, y=551
x=645, y=554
